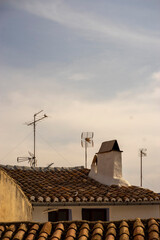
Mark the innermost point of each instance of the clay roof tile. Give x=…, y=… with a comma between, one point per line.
x=73, y=185
x=152, y=221
x=2, y=229
x=122, y=230
x=32, y=232
x=9, y=232
x=21, y=232
x=153, y=235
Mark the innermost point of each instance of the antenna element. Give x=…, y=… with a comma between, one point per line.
x=87, y=141
x=142, y=154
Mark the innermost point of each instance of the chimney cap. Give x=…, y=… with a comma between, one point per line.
x=109, y=146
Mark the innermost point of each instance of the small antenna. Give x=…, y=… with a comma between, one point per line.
x=32, y=160
x=87, y=141
x=24, y=159
x=142, y=154
x=48, y=167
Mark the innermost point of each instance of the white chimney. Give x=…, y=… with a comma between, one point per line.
x=106, y=167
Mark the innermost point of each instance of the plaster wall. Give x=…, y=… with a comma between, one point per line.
x=110, y=164
x=41, y=214
x=108, y=169
x=115, y=212
x=132, y=212
x=14, y=205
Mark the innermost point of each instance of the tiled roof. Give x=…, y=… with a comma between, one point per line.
x=72, y=185
x=123, y=230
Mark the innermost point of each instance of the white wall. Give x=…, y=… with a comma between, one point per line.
x=132, y=212
x=108, y=169
x=115, y=212
x=40, y=215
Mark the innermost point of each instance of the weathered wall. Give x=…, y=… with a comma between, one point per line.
x=115, y=212
x=14, y=205
x=108, y=169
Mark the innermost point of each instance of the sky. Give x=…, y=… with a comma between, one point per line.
x=91, y=66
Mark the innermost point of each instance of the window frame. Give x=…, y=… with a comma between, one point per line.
x=90, y=217
x=56, y=216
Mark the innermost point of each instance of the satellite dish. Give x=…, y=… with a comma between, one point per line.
x=87, y=141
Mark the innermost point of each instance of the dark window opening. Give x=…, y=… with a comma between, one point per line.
x=95, y=214
x=60, y=215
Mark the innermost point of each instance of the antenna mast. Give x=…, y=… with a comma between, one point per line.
x=32, y=158
x=87, y=141
x=34, y=133
x=142, y=154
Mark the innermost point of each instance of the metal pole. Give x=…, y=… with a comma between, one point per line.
x=85, y=153
x=141, y=168
x=34, y=151
x=34, y=134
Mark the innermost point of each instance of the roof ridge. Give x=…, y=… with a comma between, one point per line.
x=39, y=168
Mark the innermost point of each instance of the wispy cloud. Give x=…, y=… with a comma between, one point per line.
x=156, y=76
x=90, y=24
x=80, y=77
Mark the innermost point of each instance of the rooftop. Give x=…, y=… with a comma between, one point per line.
x=123, y=230
x=68, y=186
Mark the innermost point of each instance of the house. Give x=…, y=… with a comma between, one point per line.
x=58, y=194
x=137, y=229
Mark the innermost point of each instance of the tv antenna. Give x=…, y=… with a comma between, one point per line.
x=32, y=159
x=87, y=141
x=29, y=159
x=142, y=154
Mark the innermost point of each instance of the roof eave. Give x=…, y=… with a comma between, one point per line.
x=94, y=203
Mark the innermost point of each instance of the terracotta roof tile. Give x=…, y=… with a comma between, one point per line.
x=32, y=232
x=111, y=230
x=71, y=233
x=9, y=232
x=84, y=232
x=138, y=224
x=120, y=230
x=138, y=230
x=153, y=230
x=2, y=229
x=58, y=232
x=21, y=232
x=67, y=185
x=124, y=230
x=98, y=231
x=45, y=231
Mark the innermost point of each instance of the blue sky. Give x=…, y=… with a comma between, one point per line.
x=91, y=66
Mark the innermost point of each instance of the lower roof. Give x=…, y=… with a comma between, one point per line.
x=69, y=186
x=82, y=230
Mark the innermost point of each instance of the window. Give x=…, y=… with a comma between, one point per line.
x=95, y=214
x=60, y=215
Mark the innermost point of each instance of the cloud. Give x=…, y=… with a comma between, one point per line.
x=156, y=76
x=130, y=117
x=80, y=77
x=92, y=25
